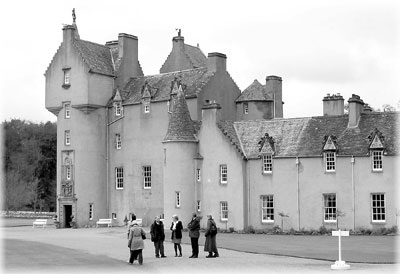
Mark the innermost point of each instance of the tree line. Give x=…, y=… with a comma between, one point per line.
x=29, y=157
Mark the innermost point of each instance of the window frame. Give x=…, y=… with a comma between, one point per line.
x=330, y=161
x=198, y=206
x=91, y=210
x=118, y=109
x=267, y=209
x=67, y=110
x=146, y=107
x=67, y=137
x=177, y=199
x=381, y=209
x=224, y=211
x=223, y=174
x=68, y=172
x=198, y=174
x=245, y=108
x=146, y=176
x=118, y=141
x=330, y=212
x=378, y=161
x=267, y=166
x=119, y=178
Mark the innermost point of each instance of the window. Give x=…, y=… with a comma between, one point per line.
x=147, y=177
x=67, y=137
x=378, y=207
x=198, y=175
x=224, y=211
x=67, y=110
x=118, y=142
x=90, y=211
x=68, y=173
x=267, y=208
x=119, y=177
x=147, y=107
x=330, y=161
x=118, y=109
x=224, y=174
x=198, y=205
x=267, y=163
x=377, y=163
x=245, y=108
x=168, y=107
x=177, y=199
x=66, y=77
x=330, y=208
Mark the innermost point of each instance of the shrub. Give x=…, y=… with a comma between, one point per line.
x=322, y=230
x=249, y=230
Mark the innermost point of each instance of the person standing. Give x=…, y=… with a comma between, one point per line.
x=176, y=228
x=135, y=242
x=158, y=237
x=129, y=225
x=194, y=234
x=210, y=245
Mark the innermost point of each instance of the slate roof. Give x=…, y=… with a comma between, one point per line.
x=255, y=92
x=302, y=137
x=196, y=56
x=194, y=80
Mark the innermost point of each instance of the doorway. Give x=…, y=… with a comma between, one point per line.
x=67, y=215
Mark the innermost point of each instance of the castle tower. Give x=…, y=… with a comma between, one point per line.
x=180, y=147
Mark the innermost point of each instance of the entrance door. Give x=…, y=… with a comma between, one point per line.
x=67, y=215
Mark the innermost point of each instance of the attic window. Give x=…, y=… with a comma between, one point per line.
x=245, y=108
x=330, y=150
x=267, y=163
x=118, y=109
x=67, y=82
x=146, y=107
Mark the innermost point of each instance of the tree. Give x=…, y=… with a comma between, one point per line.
x=388, y=108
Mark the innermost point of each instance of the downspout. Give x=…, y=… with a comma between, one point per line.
x=298, y=189
x=354, y=192
x=107, y=164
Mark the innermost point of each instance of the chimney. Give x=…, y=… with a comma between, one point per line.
x=333, y=104
x=128, y=54
x=216, y=62
x=210, y=112
x=367, y=108
x=356, y=106
x=274, y=84
x=68, y=39
x=178, y=42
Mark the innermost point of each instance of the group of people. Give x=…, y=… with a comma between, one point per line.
x=136, y=235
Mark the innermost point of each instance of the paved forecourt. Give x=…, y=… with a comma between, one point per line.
x=105, y=249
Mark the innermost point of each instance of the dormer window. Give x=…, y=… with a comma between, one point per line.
x=146, y=107
x=376, y=160
x=267, y=150
x=67, y=81
x=245, y=108
x=118, y=109
x=266, y=163
x=376, y=149
x=67, y=107
x=330, y=149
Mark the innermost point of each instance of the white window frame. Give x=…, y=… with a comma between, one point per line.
x=378, y=208
x=118, y=141
x=67, y=77
x=245, y=108
x=267, y=163
x=330, y=161
x=223, y=174
x=198, y=205
x=330, y=208
x=67, y=108
x=377, y=160
x=146, y=107
x=198, y=175
x=224, y=210
x=177, y=199
x=68, y=173
x=267, y=208
x=119, y=178
x=67, y=137
x=118, y=109
x=146, y=177
x=91, y=208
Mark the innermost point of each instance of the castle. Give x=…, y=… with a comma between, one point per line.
x=188, y=140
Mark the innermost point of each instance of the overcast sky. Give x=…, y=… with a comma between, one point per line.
x=317, y=47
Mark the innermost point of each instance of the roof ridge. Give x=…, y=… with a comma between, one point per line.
x=97, y=44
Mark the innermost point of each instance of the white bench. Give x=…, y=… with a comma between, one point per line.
x=104, y=222
x=42, y=222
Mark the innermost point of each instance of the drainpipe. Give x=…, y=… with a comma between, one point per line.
x=354, y=192
x=298, y=189
x=107, y=164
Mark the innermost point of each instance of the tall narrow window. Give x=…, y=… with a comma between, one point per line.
x=67, y=107
x=267, y=163
x=147, y=177
x=378, y=207
x=245, y=108
x=68, y=173
x=224, y=211
x=66, y=77
x=147, y=107
x=90, y=211
x=198, y=175
x=67, y=137
x=198, y=205
x=177, y=199
x=223, y=174
x=377, y=163
x=118, y=141
x=330, y=161
x=330, y=208
x=119, y=177
x=267, y=209
x=118, y=109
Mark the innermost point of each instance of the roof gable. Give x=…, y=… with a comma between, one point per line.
x=254, y=92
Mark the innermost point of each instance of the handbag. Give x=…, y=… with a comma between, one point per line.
x=213, y=229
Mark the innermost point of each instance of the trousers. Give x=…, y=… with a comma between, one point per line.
x=159, y=246
x=195, y=246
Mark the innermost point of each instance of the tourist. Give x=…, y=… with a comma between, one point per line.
x=129, y=224
x=176, y=228
x=158, y=236
x=135, y=242
x=194, y=234
x=210, y=245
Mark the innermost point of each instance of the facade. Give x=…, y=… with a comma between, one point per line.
x=188, y=140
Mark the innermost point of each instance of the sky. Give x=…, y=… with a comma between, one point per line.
x=317, y=47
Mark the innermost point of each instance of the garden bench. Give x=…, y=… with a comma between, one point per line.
x=104, y=222
x=42, y=222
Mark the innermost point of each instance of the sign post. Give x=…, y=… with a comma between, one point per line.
x=340, y=264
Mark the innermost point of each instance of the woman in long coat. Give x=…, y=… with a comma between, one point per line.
x=210, y=245
x=135, y=242
x=176, y=228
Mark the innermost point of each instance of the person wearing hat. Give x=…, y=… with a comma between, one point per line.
x=176, y=228
x=135, y=242
x=194, y=234
x=210, y=245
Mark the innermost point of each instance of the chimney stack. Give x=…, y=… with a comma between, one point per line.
x=128, y=54
x=216, y=62
x=274, y=84
x=333, y=104
x=356, y=106
x=210, y=112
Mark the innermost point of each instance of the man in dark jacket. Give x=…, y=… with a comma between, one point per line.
x=194, y=234
x=158, y=236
